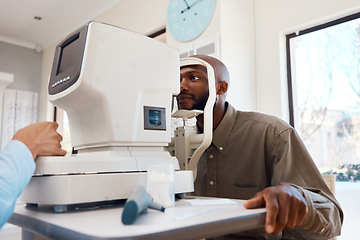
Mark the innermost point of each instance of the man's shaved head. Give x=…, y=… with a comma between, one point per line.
x=221, y=71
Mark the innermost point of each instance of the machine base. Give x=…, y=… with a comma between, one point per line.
x=60, y=191
x=78, y=206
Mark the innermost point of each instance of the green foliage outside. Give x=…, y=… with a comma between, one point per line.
x=346, y=173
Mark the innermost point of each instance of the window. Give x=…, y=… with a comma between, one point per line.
x=324, y=94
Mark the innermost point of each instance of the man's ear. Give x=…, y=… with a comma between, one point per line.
x=222, y=88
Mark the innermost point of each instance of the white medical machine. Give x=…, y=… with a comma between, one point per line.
x=117, y=88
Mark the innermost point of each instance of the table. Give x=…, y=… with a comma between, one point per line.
x=191, y=218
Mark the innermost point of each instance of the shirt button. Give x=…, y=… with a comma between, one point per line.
x=221, y=148
x=211, y=183
x=211, y=156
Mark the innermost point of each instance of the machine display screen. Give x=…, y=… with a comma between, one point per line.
x=67, y=62
x=154, y=118
x=66, y=58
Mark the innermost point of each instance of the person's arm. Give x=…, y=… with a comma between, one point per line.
x=324, y=209
x=299, y=197
x=17, y=161
x=16, y=168
x=41, y=139
x=285, y=205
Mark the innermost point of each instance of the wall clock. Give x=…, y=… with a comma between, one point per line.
x=187, y=19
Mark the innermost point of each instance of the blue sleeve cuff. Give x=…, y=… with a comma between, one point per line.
x=16, y=168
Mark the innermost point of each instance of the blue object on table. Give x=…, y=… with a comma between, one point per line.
x=138, y=201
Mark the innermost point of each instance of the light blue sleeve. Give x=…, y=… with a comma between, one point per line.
x=16, y=168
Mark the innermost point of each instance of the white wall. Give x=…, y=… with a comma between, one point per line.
x=275, y=19
x=24, y=63
x=237, y=49
x=141, y=16
x=46, y=111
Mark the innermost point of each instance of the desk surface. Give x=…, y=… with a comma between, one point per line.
x=192, y=218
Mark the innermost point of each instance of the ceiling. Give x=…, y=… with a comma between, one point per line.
x=58, y=19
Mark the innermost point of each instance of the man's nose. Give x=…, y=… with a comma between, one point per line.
x=184, y=84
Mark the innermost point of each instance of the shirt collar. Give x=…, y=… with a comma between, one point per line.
x=223, y=130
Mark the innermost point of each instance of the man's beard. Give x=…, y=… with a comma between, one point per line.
x=199, y=104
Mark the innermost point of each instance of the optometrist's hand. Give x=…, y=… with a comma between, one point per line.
x=285, y=207
x=41, y=139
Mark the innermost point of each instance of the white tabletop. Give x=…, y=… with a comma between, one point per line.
x=191, y=218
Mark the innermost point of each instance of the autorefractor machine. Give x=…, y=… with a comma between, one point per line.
x=117, y=89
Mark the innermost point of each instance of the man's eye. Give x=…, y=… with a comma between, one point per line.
x=193, y=78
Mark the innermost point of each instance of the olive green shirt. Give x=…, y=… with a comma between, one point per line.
x=251, y=151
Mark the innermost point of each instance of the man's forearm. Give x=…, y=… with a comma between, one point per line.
x=324, y=218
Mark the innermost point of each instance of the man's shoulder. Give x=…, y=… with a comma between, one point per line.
x=261, y=119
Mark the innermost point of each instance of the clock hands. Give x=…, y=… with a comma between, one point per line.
x=188, y=7
x=187, y=4
x=195, y=3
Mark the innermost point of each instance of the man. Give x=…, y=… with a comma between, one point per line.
x=17, y=161
x=260, y=158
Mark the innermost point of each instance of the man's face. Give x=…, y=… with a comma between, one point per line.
x=194, y=89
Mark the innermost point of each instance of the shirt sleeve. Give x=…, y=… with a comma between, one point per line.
x=16, y=168
x=294, y=165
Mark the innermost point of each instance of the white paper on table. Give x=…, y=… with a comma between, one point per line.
x=211, y=202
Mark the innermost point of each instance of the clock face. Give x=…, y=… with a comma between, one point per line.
x=187, y=19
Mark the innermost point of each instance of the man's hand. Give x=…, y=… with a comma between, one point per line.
x=41, y=139
x=285, y=207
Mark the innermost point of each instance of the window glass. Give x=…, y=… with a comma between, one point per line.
x=326, y=73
